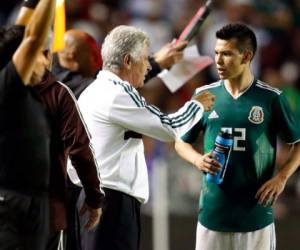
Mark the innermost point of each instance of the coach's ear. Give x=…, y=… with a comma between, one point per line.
x=127, y=61
x=247, y=56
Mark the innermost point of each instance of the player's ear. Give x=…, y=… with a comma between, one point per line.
x=247, y=56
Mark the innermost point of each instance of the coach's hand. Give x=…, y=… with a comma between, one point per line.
x=206, y=99
x=269, y=191
x=207, y=164
x=94, y=215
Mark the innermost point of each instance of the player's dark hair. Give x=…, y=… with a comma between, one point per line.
x=10, y=39
x=246, y=39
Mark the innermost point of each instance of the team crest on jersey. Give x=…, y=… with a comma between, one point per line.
x=256, y=115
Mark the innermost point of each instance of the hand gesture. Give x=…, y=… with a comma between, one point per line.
x=94, y=216
x=206, y=99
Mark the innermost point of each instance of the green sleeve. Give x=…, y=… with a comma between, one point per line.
x=286, y=122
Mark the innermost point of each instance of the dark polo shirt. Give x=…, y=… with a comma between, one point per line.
x=24, y=137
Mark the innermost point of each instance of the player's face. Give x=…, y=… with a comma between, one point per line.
x=229, y=60
x=140, y=68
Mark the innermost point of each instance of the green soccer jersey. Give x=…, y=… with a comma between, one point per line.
x=256, y=117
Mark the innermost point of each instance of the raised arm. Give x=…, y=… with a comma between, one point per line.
x=36, y=33
x=165, y=58
x=26, y=12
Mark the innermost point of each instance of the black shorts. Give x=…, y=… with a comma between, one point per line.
x=24, y=221
x=119, y=228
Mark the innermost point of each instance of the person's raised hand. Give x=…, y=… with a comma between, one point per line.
x=170, y=54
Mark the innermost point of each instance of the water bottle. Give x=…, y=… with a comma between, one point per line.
x=221, y=153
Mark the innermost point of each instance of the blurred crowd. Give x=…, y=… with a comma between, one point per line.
x=277, y=25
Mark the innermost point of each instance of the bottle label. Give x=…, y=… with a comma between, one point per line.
x=221, y=153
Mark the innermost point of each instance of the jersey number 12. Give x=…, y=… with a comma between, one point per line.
x=239, y=138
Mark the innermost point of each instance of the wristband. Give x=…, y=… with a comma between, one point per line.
x=30, y=3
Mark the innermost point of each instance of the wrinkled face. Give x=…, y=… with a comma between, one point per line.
x=139, y=69
x=42, y=63
x=229, y=60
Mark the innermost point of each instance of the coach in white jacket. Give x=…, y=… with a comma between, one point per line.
x=116, y=116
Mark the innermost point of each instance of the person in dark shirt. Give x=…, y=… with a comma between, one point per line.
x=79, y=62
x=69, y=138
x=24, y=139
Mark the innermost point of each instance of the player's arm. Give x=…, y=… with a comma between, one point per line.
x=26, y=12
x=36, y=33
x=287, y=125
x=270, y=190
x=205, y=162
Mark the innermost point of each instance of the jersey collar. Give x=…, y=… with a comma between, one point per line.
x=241, y=93
x=106, y=74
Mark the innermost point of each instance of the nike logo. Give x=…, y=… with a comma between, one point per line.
x=213, y=115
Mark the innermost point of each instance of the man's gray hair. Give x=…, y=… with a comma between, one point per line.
x=123, y=40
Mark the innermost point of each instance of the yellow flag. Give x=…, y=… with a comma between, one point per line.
x=59, y=26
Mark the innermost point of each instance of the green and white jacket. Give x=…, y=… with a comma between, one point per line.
x=116, y=116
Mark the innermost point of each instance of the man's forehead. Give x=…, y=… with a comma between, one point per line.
x=226, y=44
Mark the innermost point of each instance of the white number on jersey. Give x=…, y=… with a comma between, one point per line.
x=239, y=134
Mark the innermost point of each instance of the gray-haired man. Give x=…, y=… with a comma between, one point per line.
x=117, y=116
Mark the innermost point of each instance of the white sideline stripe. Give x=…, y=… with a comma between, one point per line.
x=61, y=241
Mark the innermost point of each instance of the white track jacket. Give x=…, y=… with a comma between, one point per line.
x=115, y=115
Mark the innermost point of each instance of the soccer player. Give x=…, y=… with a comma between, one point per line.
x=237, y=214
x=117, y=116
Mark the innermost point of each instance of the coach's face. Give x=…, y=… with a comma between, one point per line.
x=230, y=61
x=139, y=69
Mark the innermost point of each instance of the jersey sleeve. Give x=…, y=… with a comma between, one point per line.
x=131, y=111
x=286, y=122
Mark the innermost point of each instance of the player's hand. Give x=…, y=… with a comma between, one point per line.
x=207, y=99
x=269, y=191
x=94, y=216
x=170, y=54
x=207, y=164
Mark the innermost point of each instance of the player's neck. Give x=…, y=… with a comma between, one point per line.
x=240, y=83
